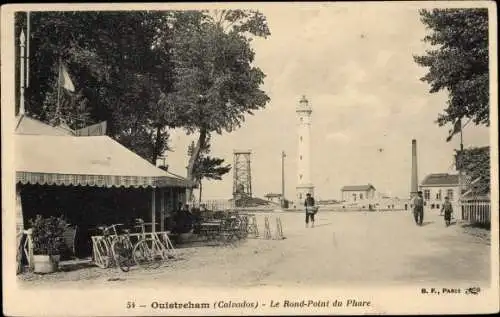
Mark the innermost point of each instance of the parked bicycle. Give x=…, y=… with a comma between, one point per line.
x=148, y=252
x=123, y=251
x=114, y=249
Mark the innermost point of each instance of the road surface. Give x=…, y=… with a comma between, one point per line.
x=344, y=248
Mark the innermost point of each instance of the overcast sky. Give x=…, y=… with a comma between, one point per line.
x=354, y=63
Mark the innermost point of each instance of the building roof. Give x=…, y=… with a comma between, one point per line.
x=87, y=161
x=30, y=126
x=440, y=179
x=271, y=195
x=352, y=188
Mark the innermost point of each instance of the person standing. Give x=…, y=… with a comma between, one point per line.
x=447, y=209
x=418, y=209
x=310, y=210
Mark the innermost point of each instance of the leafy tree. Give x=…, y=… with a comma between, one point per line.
x=459, y=62
x=118, y=71
x=207, y=167
x=215, y=82
x=475, y=162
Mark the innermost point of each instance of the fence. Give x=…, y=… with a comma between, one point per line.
x=476, y=212
x=216, y=204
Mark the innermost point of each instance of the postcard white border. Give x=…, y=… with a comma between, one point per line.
x=107, y=301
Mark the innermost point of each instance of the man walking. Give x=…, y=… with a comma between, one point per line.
x=418, y=209
x=447, y=209
x=310, y=210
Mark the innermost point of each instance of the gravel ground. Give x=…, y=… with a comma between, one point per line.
x=365, y=249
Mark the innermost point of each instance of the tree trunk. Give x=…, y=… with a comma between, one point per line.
x=194, y=157
x=199, y=194
x=156, y=146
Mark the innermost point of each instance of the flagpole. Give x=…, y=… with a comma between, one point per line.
x=283, y=179
x=28, y=50
x=460, y=163
x=58, y=92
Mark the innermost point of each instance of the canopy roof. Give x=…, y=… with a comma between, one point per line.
x=86, y=161
x=27, y=125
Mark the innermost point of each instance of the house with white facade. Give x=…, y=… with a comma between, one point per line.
x=272, y=197
x=435, y=187
x=358, y=193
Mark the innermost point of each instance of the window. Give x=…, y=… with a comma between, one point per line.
x=427, y=194
x=437, y=206
x=301, y=138
x=301, y=119
x=301, y=157
x=300, y=195
x=432, y=206
x=438, y=195
x=449, y=194
x=360, y=196
x=354, y=197
x=300, y=176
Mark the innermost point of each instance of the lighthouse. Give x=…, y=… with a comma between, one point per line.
x=304, y=182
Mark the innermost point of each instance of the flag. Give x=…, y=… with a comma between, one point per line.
x=457, y=127
x=66, y=82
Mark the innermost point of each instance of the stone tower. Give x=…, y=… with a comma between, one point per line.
x=304, y=183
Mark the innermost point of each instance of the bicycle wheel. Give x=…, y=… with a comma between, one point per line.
x=122, y=251
x=147, y=255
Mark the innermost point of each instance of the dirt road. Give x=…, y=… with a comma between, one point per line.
x=350, y=248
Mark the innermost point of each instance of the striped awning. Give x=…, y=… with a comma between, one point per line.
x=98, y=180
x=96, y=161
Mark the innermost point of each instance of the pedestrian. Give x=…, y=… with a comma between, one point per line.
x=310, y=210
x=447, y=209
x=418, y=209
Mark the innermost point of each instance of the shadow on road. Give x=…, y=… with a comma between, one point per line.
x=425, y=223
x=476, y=225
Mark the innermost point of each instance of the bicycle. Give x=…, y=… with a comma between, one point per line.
x=148, y=252
x=123, y=251
x=112, y=248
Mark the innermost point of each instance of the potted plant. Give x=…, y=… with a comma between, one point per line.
x=48, y=242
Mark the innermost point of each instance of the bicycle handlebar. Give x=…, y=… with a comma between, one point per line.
x=106, y=229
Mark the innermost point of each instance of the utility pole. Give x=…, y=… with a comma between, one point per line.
x=459, y=167
x=283, y=155
x=22, y=46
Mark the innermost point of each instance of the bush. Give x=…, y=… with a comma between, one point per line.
x=48, y=235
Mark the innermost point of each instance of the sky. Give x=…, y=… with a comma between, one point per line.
x=355, y=66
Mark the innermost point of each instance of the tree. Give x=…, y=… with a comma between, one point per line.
x=475, y=162
x=215, y=83
x=119, y=71
x=459, y=64
x=207, y=167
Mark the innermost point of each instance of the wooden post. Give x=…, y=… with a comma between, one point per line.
x=153, y=209
x=22, y=73
x=162, y=210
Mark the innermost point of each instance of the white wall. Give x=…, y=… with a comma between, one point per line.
x=348, y=196
x=433, y=191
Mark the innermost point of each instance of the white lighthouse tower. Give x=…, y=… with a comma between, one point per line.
x=304, y=183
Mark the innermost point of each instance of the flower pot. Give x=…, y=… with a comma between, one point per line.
x=46, y=263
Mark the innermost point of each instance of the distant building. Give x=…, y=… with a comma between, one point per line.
x=435, y=187
x=357, y=193
x=275, y=198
